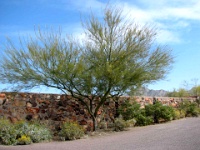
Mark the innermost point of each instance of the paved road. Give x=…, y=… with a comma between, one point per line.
x=181, y=134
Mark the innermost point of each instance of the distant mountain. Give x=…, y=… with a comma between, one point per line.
x=152, y=93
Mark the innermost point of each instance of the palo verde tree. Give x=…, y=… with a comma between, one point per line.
x=115, y=56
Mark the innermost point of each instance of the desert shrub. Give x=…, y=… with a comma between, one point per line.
x=39, y=133
x=143, y=120
x=198, y=102
x=111, y=125
x=167, y=113
x=103, y=125
x=24, y=140
x=35, y=131
x=182, y=113
x=129, y=111
x=190, y=109
x=148, y=115
x=198, y=110
x=71, y=131
x=8, y=134
x=130, y=123
x=120, y=124
x=22, y=133
x=179, y=114
x=160, y=112
x=133, y=111
x=149, y=110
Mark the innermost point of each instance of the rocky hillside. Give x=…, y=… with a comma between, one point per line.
x=152, y=93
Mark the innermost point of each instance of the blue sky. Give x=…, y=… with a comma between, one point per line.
x=177, y=23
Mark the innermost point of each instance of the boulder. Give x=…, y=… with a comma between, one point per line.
x=83, y=122
x=32, y=110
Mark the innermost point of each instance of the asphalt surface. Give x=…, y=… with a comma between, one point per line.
x=181, y=134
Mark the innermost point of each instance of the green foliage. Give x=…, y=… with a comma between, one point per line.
x=181, y=92
x=22, y=133
x=35, y=131
x=8, y=133
x=24, y=140
x=160, y=112
x=102, y=125
x=148, y=115
x=179, y=113
x=128, y=110
x=198, y=101
x=71, y=131
x=143, y=120
x=115, y=56
x=120, y=124
x=131, y=122
x=196, y=90
x=191, y=109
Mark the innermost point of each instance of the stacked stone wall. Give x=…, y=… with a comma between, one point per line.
x=57, y=108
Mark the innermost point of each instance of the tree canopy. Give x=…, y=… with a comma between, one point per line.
x=115, y=56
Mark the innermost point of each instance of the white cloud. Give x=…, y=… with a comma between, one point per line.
x=166, y=36
x=75, y=30
x=171, y=17
x=188, y=13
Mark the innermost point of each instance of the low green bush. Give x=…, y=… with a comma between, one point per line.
x=160, y=112
x=133, y=111
x=191, y=109
x=148, y=115
x=179, y=114
x=24, y=140
x=131, y=123
x=71, y=131
x=143, y=120
x=120, y=124
x=39, y=133
x=8, y=133
x=167, y=113
x=35, y=131
x=128, y=110
x=22, y=133
x=103, y=125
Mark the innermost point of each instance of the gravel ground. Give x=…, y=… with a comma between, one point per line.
x=181, y=134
